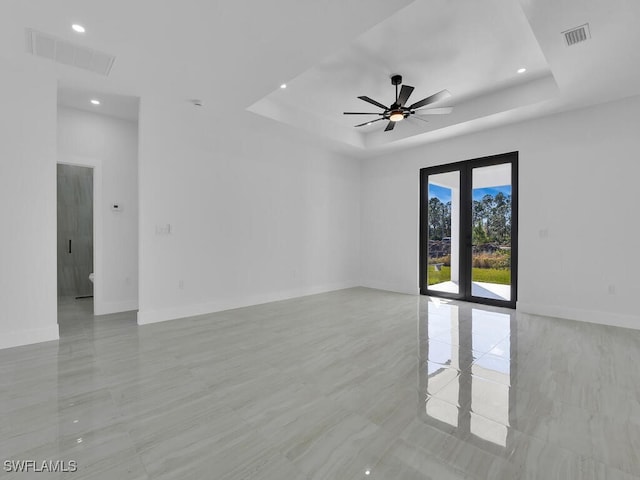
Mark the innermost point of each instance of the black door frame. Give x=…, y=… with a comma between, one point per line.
x=465, y=168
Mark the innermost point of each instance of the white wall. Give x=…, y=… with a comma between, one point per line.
x=579, y=176
x=257, y=212
x=110, y=144
x=28, y=199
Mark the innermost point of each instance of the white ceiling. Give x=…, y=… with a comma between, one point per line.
x=470, y=48
x=121, y=106
x=235, y=54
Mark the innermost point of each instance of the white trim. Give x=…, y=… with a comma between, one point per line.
x=390, y=287
x=96, y=164
x=589, y=316
x=173, y=313
x=27, y=337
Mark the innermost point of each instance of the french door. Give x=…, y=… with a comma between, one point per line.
x=469, y=230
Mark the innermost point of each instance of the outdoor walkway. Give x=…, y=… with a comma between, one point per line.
x=478, y=289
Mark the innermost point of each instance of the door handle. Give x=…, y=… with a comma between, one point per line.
x=69, y=245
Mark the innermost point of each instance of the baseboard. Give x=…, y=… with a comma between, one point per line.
x=589, y=316
x=27, y=337
x=106, y=308
x=161, y=315
x=390, y=287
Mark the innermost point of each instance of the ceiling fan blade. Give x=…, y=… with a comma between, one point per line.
x=435, y=111
x=373, y=102
x=369, y=123
x=390, y=126
x=418, y=118
x=362, y=113
x=405, y=93
x=429, y=100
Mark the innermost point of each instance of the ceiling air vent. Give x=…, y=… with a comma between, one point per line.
x=577, y=35
x=67, y=53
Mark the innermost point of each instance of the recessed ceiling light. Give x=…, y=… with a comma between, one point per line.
x=522, y=70
x=283, y=86
x=95, y=102
x=78, y=28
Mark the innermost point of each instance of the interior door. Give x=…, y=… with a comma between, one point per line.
x=468, y=230
x=75, y=230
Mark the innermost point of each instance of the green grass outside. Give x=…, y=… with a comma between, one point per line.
x=488, y=275
x=444, y=275
x=491, y=275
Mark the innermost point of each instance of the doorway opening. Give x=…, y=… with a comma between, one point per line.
x=104, y=138
x=468, y=230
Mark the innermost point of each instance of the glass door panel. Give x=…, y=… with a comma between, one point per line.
x=491, y=232
x=443, y=232
x=468, y=230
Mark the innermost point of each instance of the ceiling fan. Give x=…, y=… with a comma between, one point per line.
x=398, y=111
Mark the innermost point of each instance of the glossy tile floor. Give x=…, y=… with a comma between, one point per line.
x=352, y=384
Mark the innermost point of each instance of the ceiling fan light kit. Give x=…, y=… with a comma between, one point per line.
x=397, y=111
x=396, y=116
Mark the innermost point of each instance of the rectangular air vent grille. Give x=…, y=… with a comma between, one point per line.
x=67, y=53
x=577, y=35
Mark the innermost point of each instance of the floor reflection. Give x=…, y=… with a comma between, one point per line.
x=466, y=373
